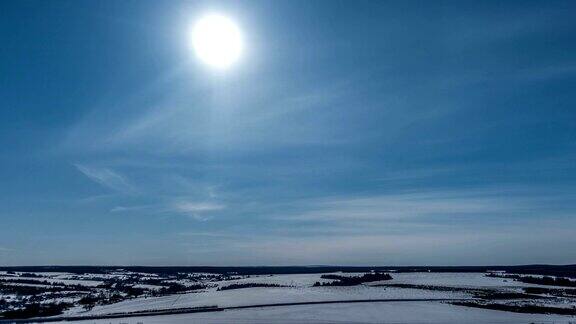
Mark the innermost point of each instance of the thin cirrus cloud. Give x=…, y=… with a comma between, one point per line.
x=183, y=123
x=199, y=210
x=372, y=156
x=402, y=206
x=107, y=178
x=266, y=117
x=486, y=205
x=470, y=244
x=124, y=209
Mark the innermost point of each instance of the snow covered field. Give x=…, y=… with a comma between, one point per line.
x=415, y=297
x=299, y=289
x=257, y=296
x=393, y=312
x=466, y=279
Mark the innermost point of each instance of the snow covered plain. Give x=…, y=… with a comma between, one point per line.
x=465, y=279
x=298, y=288
x=393, y=312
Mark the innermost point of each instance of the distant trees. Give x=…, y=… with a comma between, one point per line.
x=13, y=286
x=352, y=280
x=114, y=298
x=132, y=291
x=27, y=290
x=173, y=288
x=35, y=310
x=90, y=300
x=522, y=308
x=30, y=275
x=248, y=285
x=35, y=292
x=546, y=280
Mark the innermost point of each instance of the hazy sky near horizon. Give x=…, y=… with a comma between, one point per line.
x=350, y=132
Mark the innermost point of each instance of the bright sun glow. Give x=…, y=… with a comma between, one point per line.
x=217, y=41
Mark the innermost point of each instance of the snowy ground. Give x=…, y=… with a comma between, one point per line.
x=256, y=296
x=394, y=312
x=298, y=288
x=468, y=280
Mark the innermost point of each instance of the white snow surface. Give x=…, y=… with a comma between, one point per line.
x=392, y=312
x=464, y=279
x=299, y=290
x=256, y=296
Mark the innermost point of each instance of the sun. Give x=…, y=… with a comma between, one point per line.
x=217, y=41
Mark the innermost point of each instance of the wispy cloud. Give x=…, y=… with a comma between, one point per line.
x=121, y=209
x=434, y=206
x=210, y=234
x=107, y=178
x=402, y=206
x=460, y=247
x=198, y=210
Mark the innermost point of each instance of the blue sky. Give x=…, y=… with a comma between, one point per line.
x=367, y=133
